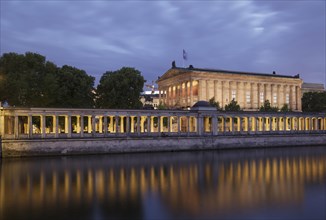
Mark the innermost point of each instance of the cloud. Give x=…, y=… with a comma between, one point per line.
x=258, y=36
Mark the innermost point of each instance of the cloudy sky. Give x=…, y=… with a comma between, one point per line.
x=255, y=36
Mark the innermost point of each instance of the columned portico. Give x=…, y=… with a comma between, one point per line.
x=185, y=86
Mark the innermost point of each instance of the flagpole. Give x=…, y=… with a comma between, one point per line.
x=184, y=57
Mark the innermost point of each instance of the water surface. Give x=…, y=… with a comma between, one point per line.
x=278, y=183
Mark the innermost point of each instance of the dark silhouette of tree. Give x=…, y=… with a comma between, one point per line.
x=76, y=88
x=28, y=80
x=314, y=102
x=120, y=89
x=267, y=107
x=232, y=106
x=214, y=103
x=285, y=108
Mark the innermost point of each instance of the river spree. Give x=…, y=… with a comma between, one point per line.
x=278, y=183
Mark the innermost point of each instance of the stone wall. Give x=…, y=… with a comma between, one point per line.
x=46, y=147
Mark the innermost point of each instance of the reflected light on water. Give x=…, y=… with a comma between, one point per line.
x=189, y=185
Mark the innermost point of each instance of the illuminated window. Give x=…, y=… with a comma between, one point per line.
x=248, y=98
x=234, y=95
x=275, y=98
x=287, y=99
x=261, y=97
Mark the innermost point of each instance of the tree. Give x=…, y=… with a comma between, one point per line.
x=267, y=107
x=76, y=88
x=232, y=106
x=214, y=103
x=120, y=89
x=285, y=108
x=28, y=80
x=314, y=102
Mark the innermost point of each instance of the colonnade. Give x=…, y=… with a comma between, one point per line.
x=18, y=123
x=249, y=95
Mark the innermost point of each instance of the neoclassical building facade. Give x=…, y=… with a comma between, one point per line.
x=183, y=87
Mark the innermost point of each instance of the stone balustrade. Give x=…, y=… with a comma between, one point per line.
x=36, y=123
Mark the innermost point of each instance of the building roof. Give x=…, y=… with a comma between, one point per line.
x=192, y=69
x=313, y=86
x=202, y=104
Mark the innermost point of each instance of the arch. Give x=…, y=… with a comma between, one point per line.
x=245, y=124
x=314, y=123
x=207, y=123
x=308, y=124
x=300, y=123
x=320, y=124
x=221, y=123
x=294, y=123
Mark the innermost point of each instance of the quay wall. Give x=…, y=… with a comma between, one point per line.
x=76, y=146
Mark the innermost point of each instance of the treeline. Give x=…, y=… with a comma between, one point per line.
x=29, y=80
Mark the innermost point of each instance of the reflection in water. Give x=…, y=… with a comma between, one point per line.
x=211, y=184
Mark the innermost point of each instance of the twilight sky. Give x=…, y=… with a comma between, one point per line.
x=255, y=36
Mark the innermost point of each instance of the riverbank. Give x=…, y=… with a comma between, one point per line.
x=78, y=146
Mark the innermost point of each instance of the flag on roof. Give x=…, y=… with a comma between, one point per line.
x=185, y=55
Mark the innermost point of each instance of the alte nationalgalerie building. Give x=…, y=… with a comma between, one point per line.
x=183, y=87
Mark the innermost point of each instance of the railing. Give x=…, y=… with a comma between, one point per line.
x=30, y=123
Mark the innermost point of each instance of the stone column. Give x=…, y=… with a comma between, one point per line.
x=249, y=124
x=254, y=96
x=122, y=124
x=244, y=95
x=238, y=96
x=93, y=131
x=159, y=95
x=149, y=127
x=55, y=125
x=117, y=124
x=159, y=124
x=298, y=96
x=42, y=123
x=82, y=125
x=100, y=124
x=105, y=124
x=142, y=120
x=69, y=125
x=66, y=124
x=201, y=88
x=78, y=124
x=30, y=126
x=111, y=124
x=16, y=126
x=214, y=125
x=191, y=94
x=215, y=90
x=132, y=124
x=268, y=93
x=127, y=124
x=200, y=125
x=280, y=96
x=260, y=90
x=2, y=125
x=209, y=89
x=225, y=88
x=219, y=97
x=178, y=124
x=224, y=124
x=89, y=124
x=292, y=97
x=169, y=124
